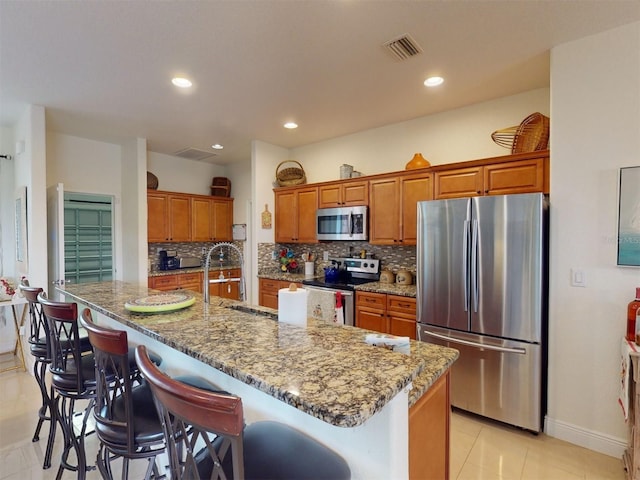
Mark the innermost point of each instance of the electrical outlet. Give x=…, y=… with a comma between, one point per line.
x=274, y=255
x=325, y=256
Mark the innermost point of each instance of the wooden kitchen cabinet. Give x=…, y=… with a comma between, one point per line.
x=396, y=197
x=498, y=178
x=176, y=281
x=226, y=288
x=268, y=291
x=343, y=193
x=386, y=313
x=211, y=219
x=430, y=431
x=295, y=215
x=168, y=217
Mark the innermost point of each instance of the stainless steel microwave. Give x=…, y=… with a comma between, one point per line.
x=342, y=223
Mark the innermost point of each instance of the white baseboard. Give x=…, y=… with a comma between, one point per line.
x=596, y=441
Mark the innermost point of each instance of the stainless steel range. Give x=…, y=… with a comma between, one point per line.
x=343, y=276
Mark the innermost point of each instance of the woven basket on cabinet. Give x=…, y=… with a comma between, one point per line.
x=532, y=134
x=291, y=175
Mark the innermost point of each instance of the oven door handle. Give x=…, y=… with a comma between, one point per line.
x=345, y=293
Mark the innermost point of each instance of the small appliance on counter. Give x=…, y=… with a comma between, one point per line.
x=190, y=262
x=169, y=260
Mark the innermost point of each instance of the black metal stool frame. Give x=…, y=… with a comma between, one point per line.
x=41, y=352
x=127, y=423
x=72, y=377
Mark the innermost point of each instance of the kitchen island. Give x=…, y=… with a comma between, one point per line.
x=364, y=402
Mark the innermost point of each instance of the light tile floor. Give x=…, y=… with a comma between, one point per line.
x=479, y=449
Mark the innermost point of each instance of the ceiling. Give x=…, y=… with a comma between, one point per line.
x=103, y=68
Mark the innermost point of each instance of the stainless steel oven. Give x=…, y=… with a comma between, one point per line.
x=353, y=272
x=342, y=223
x=348, y=301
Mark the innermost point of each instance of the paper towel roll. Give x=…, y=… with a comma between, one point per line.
x=309, y=269
x=292, y=306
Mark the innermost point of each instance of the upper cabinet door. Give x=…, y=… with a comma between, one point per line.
x=222, y=223
x=201, y=212
x=459, y=182
x=413, y=189
x=295, y=215
x=384, y=219
x=180, y=218
x=157, y=217
x=307, y=206
x=343, y=193
x=526, y=176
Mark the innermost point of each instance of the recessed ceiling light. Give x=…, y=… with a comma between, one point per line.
x=181, y=82
x=290, y=125
x=217, y=146
x=433, y=81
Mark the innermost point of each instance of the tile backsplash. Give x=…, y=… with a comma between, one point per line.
x=391, y=257
x=193, y=249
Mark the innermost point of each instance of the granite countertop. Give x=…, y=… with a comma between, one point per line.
x=335, y=377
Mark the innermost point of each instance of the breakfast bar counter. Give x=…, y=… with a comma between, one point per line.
x=322, y=378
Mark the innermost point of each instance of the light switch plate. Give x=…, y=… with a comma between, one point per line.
x=578, y=278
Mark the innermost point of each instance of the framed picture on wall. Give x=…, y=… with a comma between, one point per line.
x=629, y=217
x=21, y=230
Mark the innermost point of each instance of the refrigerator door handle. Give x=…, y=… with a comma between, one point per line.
x=475, y=287
x=520, y=351
x=465, y=264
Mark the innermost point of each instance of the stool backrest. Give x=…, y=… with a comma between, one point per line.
x=190, y=414
x=113, y=378
x=38, y=329
x=66, y=354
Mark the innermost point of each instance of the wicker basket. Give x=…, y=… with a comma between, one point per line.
x=221, y=187
x=291, y=175
x=152, y=181
x=532, y=134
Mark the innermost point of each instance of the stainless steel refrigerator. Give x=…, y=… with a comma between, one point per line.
x=482, y=289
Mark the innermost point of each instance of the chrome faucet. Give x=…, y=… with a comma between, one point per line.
x=207, y=263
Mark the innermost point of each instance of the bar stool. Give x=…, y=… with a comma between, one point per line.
x=127, y=423
x=39, y=349
x=265, y=450
x=72, y=377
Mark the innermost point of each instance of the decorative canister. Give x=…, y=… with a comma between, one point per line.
x=404, y=277
x=346, y=171
x=387, y=276
x=418, y=161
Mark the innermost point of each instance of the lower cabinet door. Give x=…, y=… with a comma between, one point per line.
x=402, y=327
x=371, y=320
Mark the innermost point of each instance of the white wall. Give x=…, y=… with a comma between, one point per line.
x=30, y=171
x=595, y=121
x=264, y=160
x=177, y=174
x=133, y=212
x=89, y=166
x=453, y=136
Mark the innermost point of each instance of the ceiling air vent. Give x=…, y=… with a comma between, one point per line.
x=403, y=47
x=194, y=154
